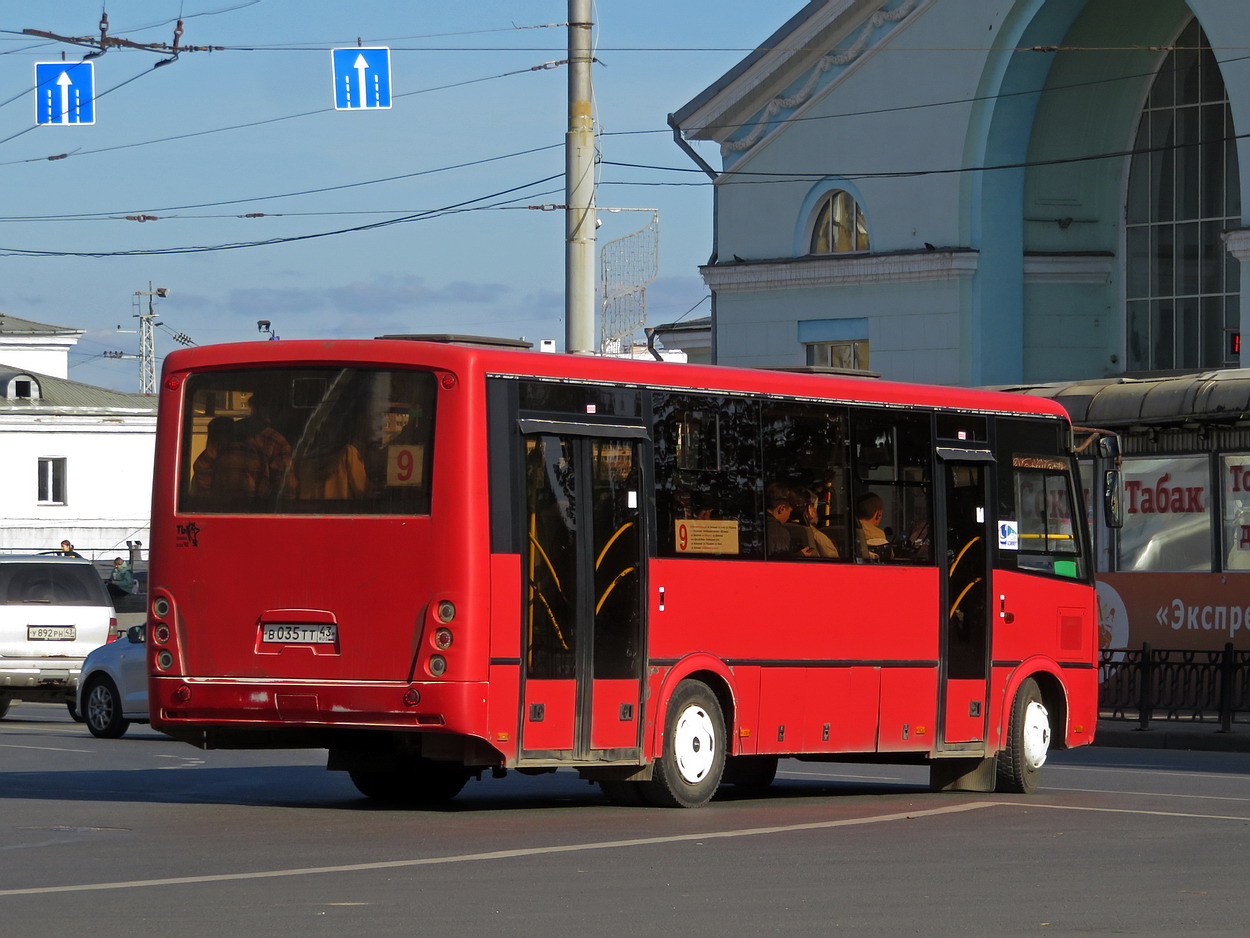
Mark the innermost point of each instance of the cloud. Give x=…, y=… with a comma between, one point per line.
x=264, y=301
x=386, y=295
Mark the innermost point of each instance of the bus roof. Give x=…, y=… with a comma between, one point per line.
x=1206, y=396
x=559, y=366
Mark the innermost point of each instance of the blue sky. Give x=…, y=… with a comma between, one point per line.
x=465, y=92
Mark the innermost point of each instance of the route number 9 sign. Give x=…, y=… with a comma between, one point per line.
x=405, y=465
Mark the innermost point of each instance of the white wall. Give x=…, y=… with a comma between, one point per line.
x=108, y=482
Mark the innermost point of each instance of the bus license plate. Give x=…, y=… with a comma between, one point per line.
x=300, y=634
x=51, y=633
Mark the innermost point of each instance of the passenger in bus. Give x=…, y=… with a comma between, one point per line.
x=779, y=500
x=244, y=457
x=332, y=472
x=220, y=436
x=871, y=538
x=266, y=469
x=804, y=517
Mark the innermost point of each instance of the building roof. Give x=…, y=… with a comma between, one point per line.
x=15, y=326
x=60, y=395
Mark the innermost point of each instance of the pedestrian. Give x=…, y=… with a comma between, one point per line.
x=122, y=580
x=67, y=550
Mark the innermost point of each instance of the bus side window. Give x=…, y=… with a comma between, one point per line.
x=805, y=454
x=706, y=476
x=892, y=481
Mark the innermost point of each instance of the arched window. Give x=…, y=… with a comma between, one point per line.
x=840, y=227
x=1182, y=286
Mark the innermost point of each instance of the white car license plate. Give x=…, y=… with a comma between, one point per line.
x=51, y=633
x=300, y=634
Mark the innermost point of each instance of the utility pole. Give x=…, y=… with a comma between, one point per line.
x=147, y=339
x=579, y=189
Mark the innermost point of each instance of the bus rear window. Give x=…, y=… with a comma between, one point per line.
x=333, y=440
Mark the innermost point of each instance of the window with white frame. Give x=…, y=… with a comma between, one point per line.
x=1183, y=289
x=845, y=354
x=52, y=480
x=835, y=343
x=839, y=227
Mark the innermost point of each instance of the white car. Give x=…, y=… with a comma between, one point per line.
x=113, y=690
x=53, y=611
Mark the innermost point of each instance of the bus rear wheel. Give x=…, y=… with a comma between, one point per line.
x=413, y=781
x=688, y=772
x=1028, y=742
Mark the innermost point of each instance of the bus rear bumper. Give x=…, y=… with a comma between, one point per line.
x=179, y=704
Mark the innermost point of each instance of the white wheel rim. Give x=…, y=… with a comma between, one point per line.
x=694, y=744
x=99, y=706
x=1036, y=736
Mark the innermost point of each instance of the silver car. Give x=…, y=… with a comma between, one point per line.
x=53, y=611
x=113, y=690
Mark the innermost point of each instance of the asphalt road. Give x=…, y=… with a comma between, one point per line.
x=144, y=836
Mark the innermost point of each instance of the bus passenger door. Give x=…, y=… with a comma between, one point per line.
x=583, y=619
x=966, y=593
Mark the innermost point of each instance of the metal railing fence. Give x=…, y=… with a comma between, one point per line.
x=1160, y=684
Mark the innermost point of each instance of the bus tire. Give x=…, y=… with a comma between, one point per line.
x=750, y=773
x=1028, y=742
x=688, y=772
x=412, y=782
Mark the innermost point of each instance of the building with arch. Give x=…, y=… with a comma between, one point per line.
x=982, y=192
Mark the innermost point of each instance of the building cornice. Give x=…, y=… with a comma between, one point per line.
x=1068, y=268
x=841, y=270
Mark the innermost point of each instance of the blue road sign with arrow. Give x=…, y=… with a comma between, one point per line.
x=64, y=93
x=362, y=78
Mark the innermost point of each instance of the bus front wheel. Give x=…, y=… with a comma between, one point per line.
x=1028, y=741
x=414, y=781
x=688, y=772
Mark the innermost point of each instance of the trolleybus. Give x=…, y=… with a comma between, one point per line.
x=1177, y=574
x=440, y=560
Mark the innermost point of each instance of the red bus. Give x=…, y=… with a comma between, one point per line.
x=435, y=559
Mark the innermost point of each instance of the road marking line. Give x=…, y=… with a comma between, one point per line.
x=43, y=748
x=506, y=854
x=1144, y=794
x=1073, y=807
x=831, y=776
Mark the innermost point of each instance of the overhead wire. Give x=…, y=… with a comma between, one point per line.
x=201, y=249
x=248, y=124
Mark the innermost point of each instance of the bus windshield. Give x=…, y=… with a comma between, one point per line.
x=311, y=440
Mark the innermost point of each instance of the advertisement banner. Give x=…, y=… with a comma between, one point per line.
x=1174, y=610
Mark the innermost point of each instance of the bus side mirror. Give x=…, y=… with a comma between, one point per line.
x=1112, y=486
x=1109, y=447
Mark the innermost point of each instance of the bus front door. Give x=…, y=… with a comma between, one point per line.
x=966, y=599
x=582, y=616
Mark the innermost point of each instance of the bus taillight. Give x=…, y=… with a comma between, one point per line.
x=442, y=639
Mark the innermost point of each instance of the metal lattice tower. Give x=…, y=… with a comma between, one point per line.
x=627, y=265
x=147, y=338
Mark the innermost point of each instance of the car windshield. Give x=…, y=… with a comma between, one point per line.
x=51, y=584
